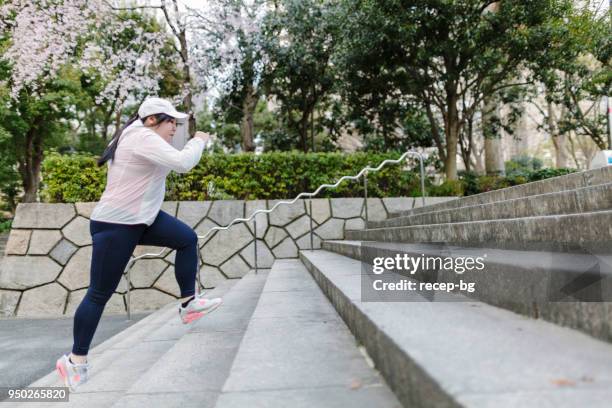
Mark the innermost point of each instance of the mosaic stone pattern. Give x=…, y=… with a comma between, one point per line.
x=45, y=270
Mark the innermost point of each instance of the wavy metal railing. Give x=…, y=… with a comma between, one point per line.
x=363, y=173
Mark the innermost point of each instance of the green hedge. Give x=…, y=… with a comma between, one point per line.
x=470, y=183
x=76, y=177
x=72, y=178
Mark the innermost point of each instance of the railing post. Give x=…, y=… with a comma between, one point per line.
x=129, y=282
x=200, y=266
x=365, y=196
x=255, y=245
x=311, y=229
x=422, y=179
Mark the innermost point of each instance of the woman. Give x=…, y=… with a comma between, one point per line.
x=139, y=159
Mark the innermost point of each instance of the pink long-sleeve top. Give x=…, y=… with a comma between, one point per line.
x=136, y=180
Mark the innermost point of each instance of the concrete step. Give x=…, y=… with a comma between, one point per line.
x=524, y=282
x=552, y=185
x=147, y=324
x=586, y=199
x=297, y=352
x=118, y=362
x=469, y=354
x=563, y=233
x=192, y=372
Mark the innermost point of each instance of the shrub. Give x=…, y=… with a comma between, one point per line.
x=76, y=177
x=71, y=178
x=548, y=173
x=448, y=188
x=5, y=225
x=522, y=165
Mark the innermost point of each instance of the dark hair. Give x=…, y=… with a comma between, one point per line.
x=109, y=152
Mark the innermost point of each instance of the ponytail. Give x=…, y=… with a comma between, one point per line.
x=109, y=152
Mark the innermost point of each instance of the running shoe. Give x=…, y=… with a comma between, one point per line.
x=198, y=307
x=73, y=374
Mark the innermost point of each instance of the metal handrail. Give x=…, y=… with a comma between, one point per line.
x=363, y=172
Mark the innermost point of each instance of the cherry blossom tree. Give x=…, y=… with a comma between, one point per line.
x=126, y=58
x=44, y=39
x=178, y=19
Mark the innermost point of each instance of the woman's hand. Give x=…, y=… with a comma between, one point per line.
x=203, y=135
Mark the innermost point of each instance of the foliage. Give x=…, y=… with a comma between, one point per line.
x=542, y=174
x=9, y=177
x=5, y=225
x=470, y=183
x=224, y=121
x=285, y=175
x=448, y=188
x=580, y=81
x=522, y=165
x=445, y=56
x=67, y=67
x=76, y=177
x=302, y=36
x=71, y=178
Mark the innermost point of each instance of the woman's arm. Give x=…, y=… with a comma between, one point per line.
x=155, y=149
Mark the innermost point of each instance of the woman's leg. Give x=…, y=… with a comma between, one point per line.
x=170, y=232
x=113, y=245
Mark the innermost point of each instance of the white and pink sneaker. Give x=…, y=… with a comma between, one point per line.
x=198, y=307
x=72, y=374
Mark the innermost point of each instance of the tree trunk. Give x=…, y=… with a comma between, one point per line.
x=560, y=143
x=118, y=119
x=29, y=166
x=246, y=125
x=494, y=158
x=452, y=139
x=559, y=140
x=466, y=142
x=108, y=117
x=188, y=99
x=493, y=148
x=304, y=131
x=494, y=161
x=435, y=131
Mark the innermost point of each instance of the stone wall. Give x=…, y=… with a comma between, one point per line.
x=45, y=270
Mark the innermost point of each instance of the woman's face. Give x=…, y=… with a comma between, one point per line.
x=165, y=129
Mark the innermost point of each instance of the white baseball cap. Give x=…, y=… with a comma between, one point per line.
x=152, y=106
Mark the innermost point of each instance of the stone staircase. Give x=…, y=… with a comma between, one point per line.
x=275, y=340
x=301, y=334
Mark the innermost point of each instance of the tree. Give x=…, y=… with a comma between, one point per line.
x=574, y=86
x=39, y=38
x=129, y=58
x=43, y=45
x=178, y=20
x=445, y=52
x=302, y=36
x=231, y=42
x=586, y=79
x=37, y=122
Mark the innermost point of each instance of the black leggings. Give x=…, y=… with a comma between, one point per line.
x=113, y=245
